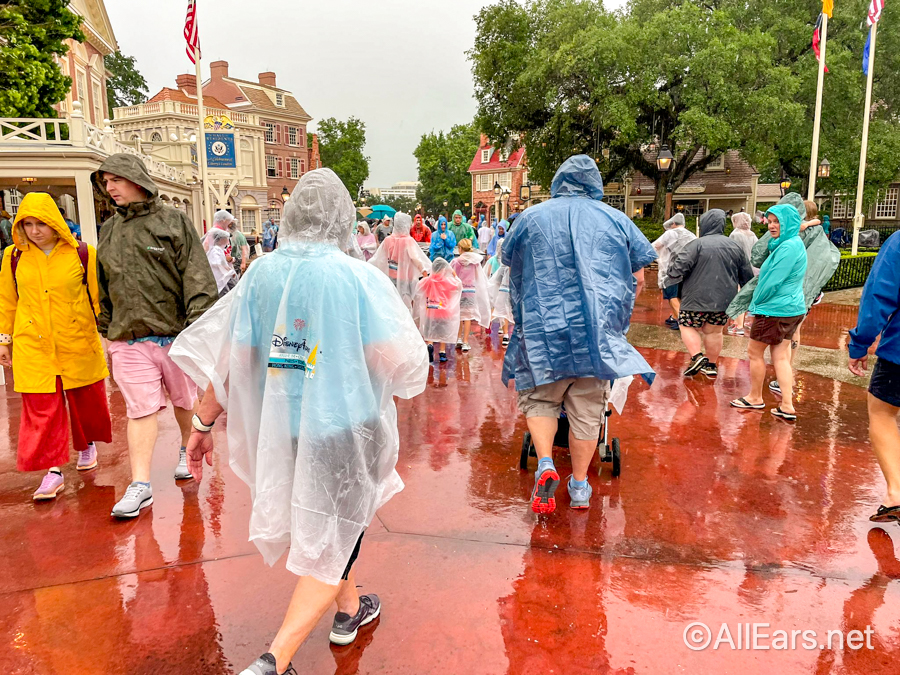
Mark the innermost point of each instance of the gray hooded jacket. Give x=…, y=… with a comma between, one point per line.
x=710, y=268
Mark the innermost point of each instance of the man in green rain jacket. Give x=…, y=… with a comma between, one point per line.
x=462, y=230
x=155, y=280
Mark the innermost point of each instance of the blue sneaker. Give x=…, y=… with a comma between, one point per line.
x=545, y=484
x=580, y=498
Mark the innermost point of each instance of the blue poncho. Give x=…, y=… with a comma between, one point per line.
x=572, y=288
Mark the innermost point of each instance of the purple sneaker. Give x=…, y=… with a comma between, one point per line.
x=87, y=459
x=50, y=487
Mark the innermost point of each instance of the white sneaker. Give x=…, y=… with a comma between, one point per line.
x=137, y=497
x=466, y=347
x=181, y=471
x=459, y=344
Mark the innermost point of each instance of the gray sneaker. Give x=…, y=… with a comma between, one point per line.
x=137, y=496
x=343, y=632
x=181, y=471
x=579, y=498
x=265, y=665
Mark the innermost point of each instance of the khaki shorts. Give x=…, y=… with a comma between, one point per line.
x=585, y=400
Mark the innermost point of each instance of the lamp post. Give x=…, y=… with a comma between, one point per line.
x=504, y=198
x=525, y=194
x=446, y=212
x=664, y=164
x=824, y=168
x=285, y=195
x=497, y=191
x=785, y=183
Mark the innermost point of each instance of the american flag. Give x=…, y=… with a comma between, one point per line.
x=875, y=8
x=191, y=34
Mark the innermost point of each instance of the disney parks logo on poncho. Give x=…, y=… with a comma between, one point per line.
x=284, y=343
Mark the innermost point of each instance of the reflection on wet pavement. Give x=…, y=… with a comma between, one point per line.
x=719, y=516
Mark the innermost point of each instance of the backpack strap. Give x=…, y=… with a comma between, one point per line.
x=83, y=256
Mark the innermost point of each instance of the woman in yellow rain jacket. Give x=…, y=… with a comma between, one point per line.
x=48, y=334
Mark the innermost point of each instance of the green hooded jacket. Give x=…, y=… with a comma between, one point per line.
x=779, y=288
x=823, y=259
x=155, y=279
x=463, y=230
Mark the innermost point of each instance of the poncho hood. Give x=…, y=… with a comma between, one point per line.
x=578, y=177
x=442, y=224
x=471, y=258
x=741, y=221
x=41, y=206
x=402, y=224
x=462, y=217
x=319, y=210
x=675, y=221
x=712, y=222
x=127, y=166
x=790, y=223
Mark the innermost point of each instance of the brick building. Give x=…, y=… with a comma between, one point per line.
x=284, y=124
x=492, y=166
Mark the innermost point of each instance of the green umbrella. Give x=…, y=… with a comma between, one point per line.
x=381, y=211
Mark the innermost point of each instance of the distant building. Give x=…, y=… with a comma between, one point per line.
x=164, y=126
x=284, y=123
x=493, y=166
x=403, y=189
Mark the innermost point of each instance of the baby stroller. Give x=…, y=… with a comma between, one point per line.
x=609, y=452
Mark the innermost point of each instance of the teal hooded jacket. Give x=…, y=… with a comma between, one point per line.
x=779, y=291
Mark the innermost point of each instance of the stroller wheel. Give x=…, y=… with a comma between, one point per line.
x=527, y=451
x=616, y=458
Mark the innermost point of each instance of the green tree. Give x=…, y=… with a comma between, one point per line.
x=31, y=33
x=444, y=161
x=125, y=86
x=341, y=148
x=702, y=77
x=404, y=204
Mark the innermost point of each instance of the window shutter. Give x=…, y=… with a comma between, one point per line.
x=280, y=167
x=302, y=167
x=278, y=134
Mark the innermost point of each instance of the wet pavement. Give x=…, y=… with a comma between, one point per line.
x=719, y=516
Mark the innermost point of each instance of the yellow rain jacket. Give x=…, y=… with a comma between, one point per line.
x=50, y=319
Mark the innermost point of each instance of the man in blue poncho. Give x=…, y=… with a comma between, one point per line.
x=576, y=267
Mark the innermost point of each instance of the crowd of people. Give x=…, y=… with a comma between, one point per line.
x=304, y=349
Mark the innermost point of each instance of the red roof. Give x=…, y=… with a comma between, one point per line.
x=168, y=94
x=514, y=161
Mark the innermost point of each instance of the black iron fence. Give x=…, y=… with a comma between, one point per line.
x=851, y=273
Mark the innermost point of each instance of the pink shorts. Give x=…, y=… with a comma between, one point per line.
x=142, y=370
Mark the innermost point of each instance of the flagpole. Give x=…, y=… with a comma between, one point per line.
x=201, y=145
x=858, y=217
x=817, y=123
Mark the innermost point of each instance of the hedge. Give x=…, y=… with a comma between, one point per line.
x=852, y=272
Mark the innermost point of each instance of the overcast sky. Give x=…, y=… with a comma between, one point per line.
x=398, y=65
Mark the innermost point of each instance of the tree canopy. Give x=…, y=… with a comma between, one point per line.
x=444, y=161
x=341, y=148
x=32, y=33
x=125, y=86
x=399, y=203
x=703, y=77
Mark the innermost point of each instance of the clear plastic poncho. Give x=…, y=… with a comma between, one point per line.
x=222, y=270
x=221, y=220
x=401, y=258
x=305, y=355
x=436, y=305
x=475, y=303
x=498, y=291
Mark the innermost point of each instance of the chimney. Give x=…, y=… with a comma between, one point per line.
x=267, y=79
x=484, y=140
x=218, y=69
x=187, y=83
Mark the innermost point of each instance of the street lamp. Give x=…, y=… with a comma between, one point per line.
x=824, y=168
x=785, y=183
x=664, y=159
x=525, y=193
x=497, y=189
x=285, y=195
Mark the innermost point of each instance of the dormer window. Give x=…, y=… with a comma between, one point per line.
x=279, y=100
x=504, y=155
x=718, y=164
x=486, y=155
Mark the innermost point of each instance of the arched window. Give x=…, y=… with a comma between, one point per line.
x=156, y=137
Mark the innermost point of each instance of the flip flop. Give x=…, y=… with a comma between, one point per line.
x=886, y=514
x=778, y=412
x=743, y=404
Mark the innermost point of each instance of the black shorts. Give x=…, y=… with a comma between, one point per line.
x=773, y=330
x=885, y=382
x=353, y=557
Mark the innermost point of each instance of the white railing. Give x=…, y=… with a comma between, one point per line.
x=29, y=130
x=17, y=134
x=179, y=108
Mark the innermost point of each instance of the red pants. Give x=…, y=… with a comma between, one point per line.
x=43, y=433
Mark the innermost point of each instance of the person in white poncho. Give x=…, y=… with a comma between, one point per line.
x=668, y=246
x=474, y=305
x=401, y=258
x=305, y=356
x=222, y=269
x=498, y=291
